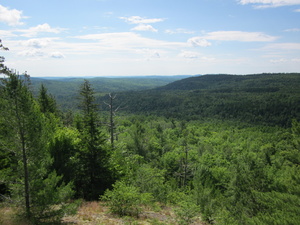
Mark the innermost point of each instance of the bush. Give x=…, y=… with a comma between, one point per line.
x=186, y=211
x=126, y=200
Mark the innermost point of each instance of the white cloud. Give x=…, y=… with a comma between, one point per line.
x=283, y=46
x=282, y=60
x=37, y=43
x=189, y=55
x=208, y=59
x=128, y=41
x=149, y=53
x=140, y=20
x=57, y=55
x=32, y=53
x=269, y=3
x=12, y=17
x=6, y=33
x=292, y=30
x=239, y=36
x=297, y=10
x=296, y=60
x=179, y=31
x=198, y=42
x=144, y=27
x=195, y=56
x=42, y=28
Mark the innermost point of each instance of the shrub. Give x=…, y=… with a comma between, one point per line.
x=126, y=200
x=186, y=211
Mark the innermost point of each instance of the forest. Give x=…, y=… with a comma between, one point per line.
x=216, y=149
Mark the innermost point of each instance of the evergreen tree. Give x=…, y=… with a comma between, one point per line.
x=46, y=101
x=94, y=175
x=27, y=135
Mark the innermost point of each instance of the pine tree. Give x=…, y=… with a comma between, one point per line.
x=46, y=101
x=95, y=175
x=27, y=132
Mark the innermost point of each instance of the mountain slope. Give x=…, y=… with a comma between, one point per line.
x=263, y=98
x=66, y=90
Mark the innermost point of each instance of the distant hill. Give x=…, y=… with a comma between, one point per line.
x=226, y=83
x=261, y=98
x=66, y=89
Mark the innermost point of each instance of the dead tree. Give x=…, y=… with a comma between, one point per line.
x=112, y=114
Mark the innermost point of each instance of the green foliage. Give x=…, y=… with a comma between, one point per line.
x=232, y=168
x=65, y=90
x=150, y=180
x=27, y=133
x=64, y=148
x=46, y=101
x=126, y=200
x=187, y=210
x=270, y=99
x=93, y=170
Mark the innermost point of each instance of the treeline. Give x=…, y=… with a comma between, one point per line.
x=65, y=90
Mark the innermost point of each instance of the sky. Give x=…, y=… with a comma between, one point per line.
x=150, y=37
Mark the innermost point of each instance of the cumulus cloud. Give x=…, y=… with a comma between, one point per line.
x=198, y=42
x=42, y=28
x=12, y=17
x=269, y=3
x=38, y=53
x=239, y=36
x=37, y=43
x=57, y=55
x=140, y=20
x=144, y=27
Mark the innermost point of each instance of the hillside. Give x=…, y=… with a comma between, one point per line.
x=58, y=86
x=65, y=90
x=263, y=98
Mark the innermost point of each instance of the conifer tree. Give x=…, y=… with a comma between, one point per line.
x=94, y=174
x=27, y=132
x=46, y=101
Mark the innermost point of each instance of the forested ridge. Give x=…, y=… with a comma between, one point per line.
x=65, y=89
x=217, y=149
x=272, y=99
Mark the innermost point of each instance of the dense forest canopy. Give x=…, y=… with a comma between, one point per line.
x=223, y=148
x=262, y=98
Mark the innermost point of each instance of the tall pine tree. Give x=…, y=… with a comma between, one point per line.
x=27, y=133
x=95, y=176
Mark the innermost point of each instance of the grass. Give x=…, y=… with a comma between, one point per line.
x=96, y=213
x=9, y=216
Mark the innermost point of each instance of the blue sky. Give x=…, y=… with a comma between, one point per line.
x=150, y=37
